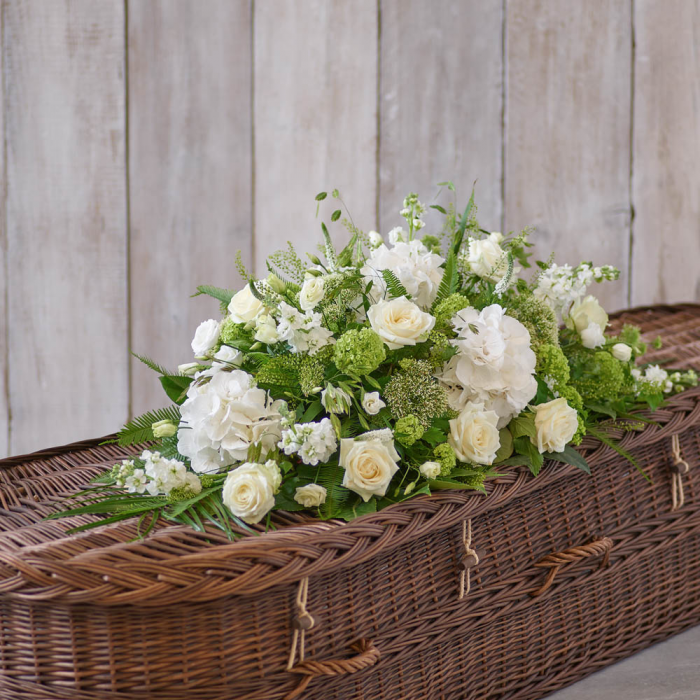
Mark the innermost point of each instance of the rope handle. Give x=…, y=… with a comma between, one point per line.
x=366, y=656
x=678, y=469
x=555, y=561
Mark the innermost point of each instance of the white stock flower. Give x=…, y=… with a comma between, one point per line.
x=136, y=482
x=369, y=466
x=313, y=442
x=245, y=306
x=372, y=403
x=474, y=434
x=222, y=418
x=586, y=312
x=494, y=365
x=312, y=292
x=656, y=377
x=397, y=235
x=248, y=492
x=303, y=332
x=622, y=352
x=266, y=330
x=556, y=423
x=414, y=265
x=592, y=336
x=400, y=322
x=164, y=474
x=430, y=470
x=487, y=259
x=310, y=496
x=205, y=337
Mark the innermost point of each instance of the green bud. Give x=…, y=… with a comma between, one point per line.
x=164, y=428
x=276, y=284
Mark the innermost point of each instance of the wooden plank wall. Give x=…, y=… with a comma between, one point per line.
x=145, y=141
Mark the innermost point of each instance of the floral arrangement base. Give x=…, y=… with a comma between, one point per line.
x=513, y=593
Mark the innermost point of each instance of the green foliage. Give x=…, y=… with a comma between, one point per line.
x=538, y=317
x=223, y=295
x=445, y=310
x=449, y=284
x=231, y=332
x=138, y=430
x=394, y=286
x=597, y=376
x=176, y=386
x=151, y=364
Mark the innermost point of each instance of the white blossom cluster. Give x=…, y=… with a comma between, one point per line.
x=653, y=376
x=303, y=332
x=313, y=442
x=159, y=475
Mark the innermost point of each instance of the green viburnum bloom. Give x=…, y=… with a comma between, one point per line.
x=552, y=363
x=408, y=429
x=539, y=319
x=432, y=243
x=447, y=308
x=207, y=480
x=231, y=331
x=359, y=351
x=602, y=377
x=445, y=455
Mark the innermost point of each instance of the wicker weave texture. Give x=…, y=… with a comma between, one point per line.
x=574, y=572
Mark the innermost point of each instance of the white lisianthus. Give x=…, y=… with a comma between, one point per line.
x=400, y=322
x=487, y=259
x=245, y=306
x=474, y=434
x=312, y=292
x=372, y=403
x=414, y=265
x=587, y=311
x=228, y=356
x=310, y=496
x=266, y=330
x=622, y=352
x=494, y=364
x=430, y=470
x=188, y=369
x=556, y=424
x=248, y=492
x=592, y=336
x=336, y=400
x=369, y=466
x=205, y=337
x=375, y=239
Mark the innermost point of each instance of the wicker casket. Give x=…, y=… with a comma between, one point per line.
x=458, y=595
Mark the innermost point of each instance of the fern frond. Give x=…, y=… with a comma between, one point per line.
x=152, y=364
x=223, y=295
x=449, y=284
x=394, y=286
x=139, y=429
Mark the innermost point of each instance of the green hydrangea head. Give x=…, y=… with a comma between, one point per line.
x=539, y=319
x=603, y=378
x=447, y=308
x=359, y=351
x=445, y=455
x=552, y=363
x=231, y=331
x=572, y=396
x=408, y=429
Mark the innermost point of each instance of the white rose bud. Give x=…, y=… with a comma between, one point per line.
x=556, y=423
x=400, y=322
x=163, y=428
x=245, y=306
x=248, y=493
x=266, y=330
x=587, y=311
x=336, y=400
x=369, y=466
x=372, y=403
x=188, y=369
x=430, y=470
x=622, y=352
x=592, y=337
x=474, y=434
x=311, y=293
x=487, y=259
x=205, y=337
x=375, y=239
x=310, y=496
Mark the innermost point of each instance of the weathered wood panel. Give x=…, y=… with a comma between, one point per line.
x=66, y=219
x=441, y=105
x=4, y=329
x=568, y=131
x=666, y=175
x=190, y=141
x=315, y=118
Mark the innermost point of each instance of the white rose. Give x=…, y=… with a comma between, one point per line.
x=248, y=493
x=400, y=322
x=266, y=330
x=205, y=337
x=375, y=239
x=487, y=259
x=622, y=352
x=310, y=496
x=587, y=311
x=372, y=403
x=474, y=434
x=430, y=470
x=592, y=337
x=369, y=466
x=245, y=306
x=228, y=356
x=556, y=423
x=311, y=293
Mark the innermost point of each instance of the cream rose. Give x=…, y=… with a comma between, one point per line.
x=311, y=293
x=372, y=403
x=369, y=465
x=430, y=470
x=245, y=306
x=487, y=259
x=587, y=311
x=310, y=496
x=205, y=337
x=248, y=493
x=556, y=423
x=474, y=434
x=400, y=322
x=622, y=352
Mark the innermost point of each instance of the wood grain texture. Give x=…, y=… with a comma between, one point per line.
x=441, y=105
x=315, y=118
x=666, y=180
x=4, y=327
x=190, y=141
x=568, y=131
x=66, y=219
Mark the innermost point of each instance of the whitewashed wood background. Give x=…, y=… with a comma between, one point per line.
x=146, y=141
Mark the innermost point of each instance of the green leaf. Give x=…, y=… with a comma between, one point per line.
x=223, y=295
x=152, y=364
x=311, y=412
x=612, y=444
x=523, y=446
x=350, y=512
x=570, y=456
x=434, y=436
x=336, y=215
x=459, y=234
x=329, y=248
x=602, y=408
x=321, y=196
x=523, y=425
x=394, y=286
x=449, y=283
x=139, y=430
x=448, y=484
x=437, y=207
x=345, y=255
x=176, y=386
x=543, y=391
x=506, y=448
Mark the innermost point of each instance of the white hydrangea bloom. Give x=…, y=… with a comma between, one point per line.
x=313, y=442
x=494, y=365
